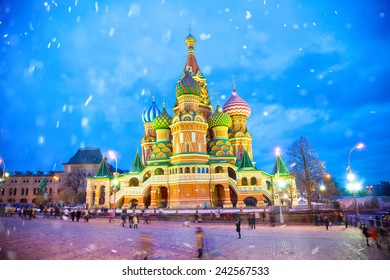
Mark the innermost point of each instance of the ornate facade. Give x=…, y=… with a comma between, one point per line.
x=195, y=157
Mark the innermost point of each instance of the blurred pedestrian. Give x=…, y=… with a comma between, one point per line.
x=238, y=227
x=111, y=217
x=346, y=221
x=78, y=215
x=365, y=233
x=263, y=215
x=326, y=223
x=199, y=241
x=123, y=218
x=135, y=221
x=272, y=219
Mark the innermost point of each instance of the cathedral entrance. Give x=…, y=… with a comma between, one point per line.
x=250, y=201
x=147, y=198
x=162, y=197
x=233, y=197
x=218, y=196
x=133, y=204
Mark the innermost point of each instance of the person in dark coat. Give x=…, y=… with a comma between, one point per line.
x=78, y=215
x=327, y=223
x=73, y=215
x=238, y=227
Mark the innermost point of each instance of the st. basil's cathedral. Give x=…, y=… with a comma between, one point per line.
x=196, y=157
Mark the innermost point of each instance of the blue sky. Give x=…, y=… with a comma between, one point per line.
x=80, y=73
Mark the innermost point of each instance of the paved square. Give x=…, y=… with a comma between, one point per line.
x=43, y=239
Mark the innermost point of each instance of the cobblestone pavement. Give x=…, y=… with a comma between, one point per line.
x=42, y=239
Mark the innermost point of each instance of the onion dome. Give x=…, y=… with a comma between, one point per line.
x=219, y=118
x=187, y=85
x=163, y=121
x=190, y=41
x=236, y=106
x=151, y=113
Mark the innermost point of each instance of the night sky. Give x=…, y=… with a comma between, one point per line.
x=80, y=73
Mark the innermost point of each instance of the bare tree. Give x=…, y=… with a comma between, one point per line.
x=73, y=189
x=306, y=166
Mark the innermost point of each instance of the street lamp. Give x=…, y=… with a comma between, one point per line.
x=2, y=179
x=352, y=186
x=322, y=189
x=112, y=155
x=281, y=185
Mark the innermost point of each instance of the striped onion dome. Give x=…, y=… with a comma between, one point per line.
x=163, y=121
x=236, y=106
x=151, y=113
x=220, y=118
x=187, y=85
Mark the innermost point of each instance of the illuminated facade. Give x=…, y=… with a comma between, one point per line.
x=193, y=158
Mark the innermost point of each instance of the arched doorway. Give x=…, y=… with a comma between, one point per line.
x=218, y=196
x=233, y=197
x=250, y=201
x=133, y=204
x=102, y=195
x=23, y=200
x=147, y=198
x=162, y=197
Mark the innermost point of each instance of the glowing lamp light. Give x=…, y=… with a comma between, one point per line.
x=112, y=154
x=281, y=184
x=351, y=177
x=360, y=146
x=354, y=186
x=322, y=187
x=277, y=151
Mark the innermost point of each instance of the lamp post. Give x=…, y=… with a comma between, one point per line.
x=352, y=186
x=112, y=155
x=281, y=185
x=2, y=179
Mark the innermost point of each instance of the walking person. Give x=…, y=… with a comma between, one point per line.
x=263, y=215
x=123, y=218
x=111, y=217
x=317, y=220
x=135, y=221
x=346, y=221
x=272, y=219
x=130, y=221
x=326, y=223
x=238, y=227
x=199, y=241
x=365, y=233
x=78, y=215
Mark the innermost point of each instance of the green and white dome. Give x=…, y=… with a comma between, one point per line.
x=219, y=118
x=162, y=121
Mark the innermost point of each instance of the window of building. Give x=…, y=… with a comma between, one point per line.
x=26, y=191
x=15, y=191
x=22, y=191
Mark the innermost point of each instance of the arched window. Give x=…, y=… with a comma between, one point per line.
x=244, y=181
x=22, y=191
x=26, y=191
x=187, y=170
x=15, y=191
x=218, y=169
x=198, y=169
x=50, y=191
x=207, y=170
x=193, y=169
x=253, y=181
x=133, y=182
x=159, y=171
x=202, y=169
x=181, y=170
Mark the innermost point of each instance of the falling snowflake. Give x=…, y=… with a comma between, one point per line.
x=114, y=251
x=248, y=15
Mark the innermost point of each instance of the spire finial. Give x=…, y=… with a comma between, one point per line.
x=234, y=82
x=163, y=103
x=153, y=97
x=217, y=93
